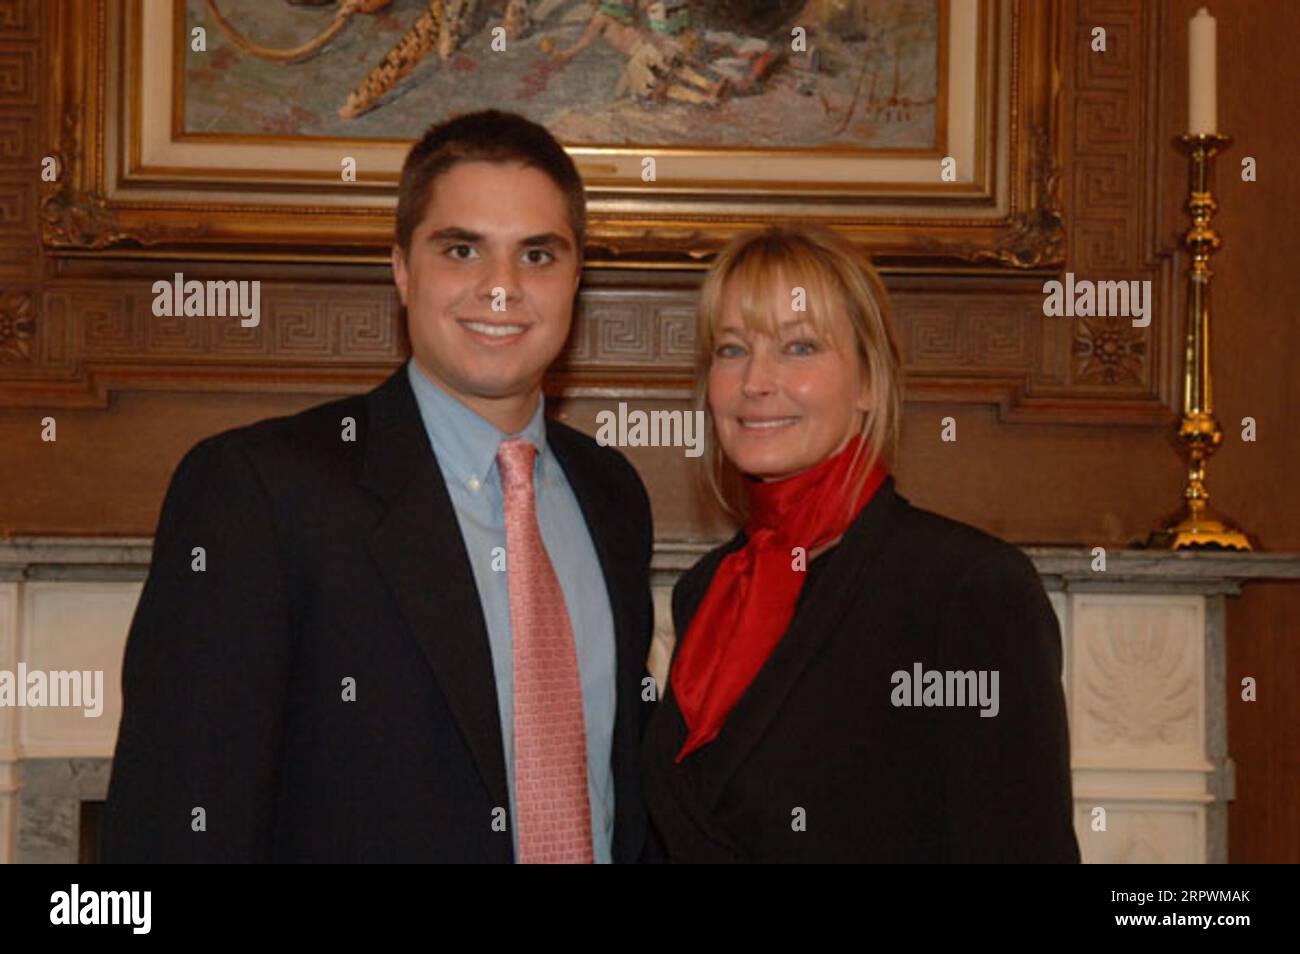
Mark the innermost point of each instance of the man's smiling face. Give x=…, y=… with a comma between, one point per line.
x=489, y=286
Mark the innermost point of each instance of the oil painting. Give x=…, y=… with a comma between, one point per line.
x=769, y=74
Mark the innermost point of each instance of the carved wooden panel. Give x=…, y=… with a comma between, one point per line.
x=20, y=136
x=17, y=326
x=18, y=19
x=1115, y=155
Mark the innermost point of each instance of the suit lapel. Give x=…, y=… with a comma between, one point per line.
x=824, y=606
x=419, y=548
x=694, y=821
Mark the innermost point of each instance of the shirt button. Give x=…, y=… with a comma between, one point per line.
x=474, y=484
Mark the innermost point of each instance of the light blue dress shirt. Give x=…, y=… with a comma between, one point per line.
x=466, y=447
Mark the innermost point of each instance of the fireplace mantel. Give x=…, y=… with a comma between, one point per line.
x=1151, y=626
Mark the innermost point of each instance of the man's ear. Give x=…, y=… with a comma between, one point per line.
x=399, y=273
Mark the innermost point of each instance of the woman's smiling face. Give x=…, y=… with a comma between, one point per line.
x=784, y=398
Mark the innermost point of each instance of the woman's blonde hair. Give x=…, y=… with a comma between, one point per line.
x=833, y=274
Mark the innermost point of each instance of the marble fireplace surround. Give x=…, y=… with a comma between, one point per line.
x=1144, y=641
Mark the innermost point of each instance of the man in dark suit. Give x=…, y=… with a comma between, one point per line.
x=409, y=625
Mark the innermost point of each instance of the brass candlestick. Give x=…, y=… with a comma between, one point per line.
x=1196, y=525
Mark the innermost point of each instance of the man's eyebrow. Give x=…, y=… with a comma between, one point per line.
x=456, y=233
x=547, y=238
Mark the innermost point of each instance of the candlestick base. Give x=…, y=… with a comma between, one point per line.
x=1204, y=530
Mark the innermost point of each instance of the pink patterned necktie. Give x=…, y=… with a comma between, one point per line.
x=554, y=815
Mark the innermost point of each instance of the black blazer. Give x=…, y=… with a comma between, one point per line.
x=816, y=730
x=330, y=560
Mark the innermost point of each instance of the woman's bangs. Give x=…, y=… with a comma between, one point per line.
x=766, y=276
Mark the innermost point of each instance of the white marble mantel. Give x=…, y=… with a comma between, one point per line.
x=1144, y=681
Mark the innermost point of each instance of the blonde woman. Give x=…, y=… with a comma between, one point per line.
x=854, y=679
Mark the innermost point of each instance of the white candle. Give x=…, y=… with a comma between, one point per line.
x=1200, y=74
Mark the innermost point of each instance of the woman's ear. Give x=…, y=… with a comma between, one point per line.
x=863, y=402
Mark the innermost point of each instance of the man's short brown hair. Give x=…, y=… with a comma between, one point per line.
x=486, y=136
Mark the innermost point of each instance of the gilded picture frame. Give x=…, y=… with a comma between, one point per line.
x=132, y=181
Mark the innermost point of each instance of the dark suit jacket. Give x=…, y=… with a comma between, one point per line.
x=331, y=560
x=816, y=730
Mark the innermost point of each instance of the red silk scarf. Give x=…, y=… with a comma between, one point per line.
x=752, y=597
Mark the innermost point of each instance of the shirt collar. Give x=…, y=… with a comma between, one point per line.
x=465, y=443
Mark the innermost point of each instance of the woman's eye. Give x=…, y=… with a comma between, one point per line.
x=453, y=249
x=727, y=351
x=802, y=346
